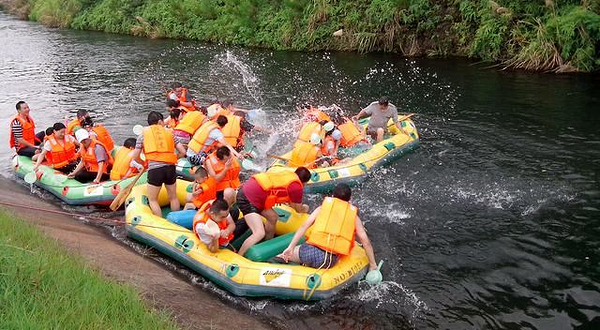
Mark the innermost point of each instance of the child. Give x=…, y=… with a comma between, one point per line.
x=217, y=211
x=125, y=166
x=203, y=190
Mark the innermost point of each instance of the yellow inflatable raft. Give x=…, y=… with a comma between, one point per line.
x=239, y=275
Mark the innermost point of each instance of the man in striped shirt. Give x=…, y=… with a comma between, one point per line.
x=25, y=142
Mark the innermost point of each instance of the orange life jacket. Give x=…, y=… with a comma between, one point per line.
x=28, y=131
x=88, y=156
x=304, y=154
x=121, y=165
x=351, y=135
x=191, y=122
x=197, y=142
x=276, y=186
x=183, y=98
x=104, y=137
x=233, y=131
x=202, y=217
x=71, y=126
x=324, y=149
x=314, y=114
x=159, y=145
x=308, y=129
x=63, y=152
x=209, y=192
x=231, y=178
x=334, y=227
x=171, y=122
x=222, y=112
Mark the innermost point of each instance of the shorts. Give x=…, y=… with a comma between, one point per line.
x=314, y=257
x=372, y=132
x=204, y=237
x=163, y=174
x=244, y=204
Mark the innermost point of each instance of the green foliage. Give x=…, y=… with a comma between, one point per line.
x=42, y=287
x=55, y=13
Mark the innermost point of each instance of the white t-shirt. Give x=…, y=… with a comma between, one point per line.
x=48, y=145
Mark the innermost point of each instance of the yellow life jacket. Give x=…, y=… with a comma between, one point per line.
x=159, y=145
x=308, y=129
x=191, y=122
x=276, y=186
x=351, y=135
x=334, y=227
x=304, y=154
x=121, y=165
x=232, y=130
x=197, y=142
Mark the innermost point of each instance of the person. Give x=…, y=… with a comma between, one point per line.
x=310, y=128
x=331, y=144
x=257, y=196
x=225, y=170
x=217, y=211
x=125, y=166
x=306, y=154
x=206, y=139
x=95, y=159
x=333, y=227
x=188, y=125
x=22, y=132
x=380, y=112
x=175, y=114
x=59, y=149
x=76, y=123
x=159, y=145
x=99, y=132
x=311, y=113
x=352, y=134
x=204, y=189
x=181, y=94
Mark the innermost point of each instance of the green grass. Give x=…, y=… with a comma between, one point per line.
x=43, y=287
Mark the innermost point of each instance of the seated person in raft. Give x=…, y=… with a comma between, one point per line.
x=125, y=166
x=380, y=112
x=204, y=189
x=95, y=159
x=59, y=149
x=218, y=234
x=327, y=239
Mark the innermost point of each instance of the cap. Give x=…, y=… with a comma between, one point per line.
x=315, y=138
x=336, y=135
x=81, y=135
x=328, y=126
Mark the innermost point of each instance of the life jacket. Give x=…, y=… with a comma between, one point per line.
x=276, y=186
x=231, y=178
x=304, y=154
x=221, y=112
x=324, y=150
x=159, y=145
x=233, y=131
x=351, y=135
x=171, y=122
x=88, y=156
x=334, y=227
x=197, y=142
x=104, y=137
x=183, y=98
x=48, y=154
x=72, y=125
x=28, y=129
x=62, y=153
x=202, y=217
x=191, y=122
x=121, y=165
x=209, y=192
x=314, y=114
x=308, y=129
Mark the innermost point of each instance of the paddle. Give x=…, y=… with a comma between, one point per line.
x=374, y=276
x=122, y=195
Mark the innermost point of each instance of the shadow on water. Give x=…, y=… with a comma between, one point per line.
x=491, y=223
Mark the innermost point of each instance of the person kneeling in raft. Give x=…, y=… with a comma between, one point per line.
x=261, y=192
x=213, y=225
x=95, y=159
x=204, y=189
x=328, y=239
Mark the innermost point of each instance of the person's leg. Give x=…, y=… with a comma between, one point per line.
x=39, y=137
x=171, y=185
x=255, y=223
x=153, y=199
x=84, y=176
x=380, y=132
x=271, y=217
x=27, y=152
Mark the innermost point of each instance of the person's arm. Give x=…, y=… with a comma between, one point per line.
x=180, y=150
x=287, y=253
x=230, y=227
x=39, y=160
x=361, y=234
x=211, y=171
x=299, y=207
x=233, y=152
x=18, y=133
x=99, y=174
x=135, y=158
x=76, y=170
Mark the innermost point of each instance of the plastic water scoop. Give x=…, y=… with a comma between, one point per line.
x=138, y=129
x=30, y=177
x=212, y=229
x=374, y=276
x=249, y=165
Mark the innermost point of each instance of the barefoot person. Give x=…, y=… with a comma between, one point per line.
x=380, y=112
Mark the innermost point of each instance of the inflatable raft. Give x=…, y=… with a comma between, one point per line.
x=72, y=191
x=251, y=275
x=362, y=162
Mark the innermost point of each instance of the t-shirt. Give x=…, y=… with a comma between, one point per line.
x=379, y=118
x=152, y=164
x=48, y=145
x=101, y=155
x=257, y=196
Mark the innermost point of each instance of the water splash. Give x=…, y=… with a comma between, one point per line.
x=249, y=78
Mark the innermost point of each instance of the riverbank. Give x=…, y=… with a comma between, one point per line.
x=550, y=36
x=188, y=306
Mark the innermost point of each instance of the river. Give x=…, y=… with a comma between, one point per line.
x=494, y=222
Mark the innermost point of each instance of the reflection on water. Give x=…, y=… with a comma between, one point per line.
x=492, y=223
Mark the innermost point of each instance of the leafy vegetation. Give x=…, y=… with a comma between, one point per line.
x=547, y=35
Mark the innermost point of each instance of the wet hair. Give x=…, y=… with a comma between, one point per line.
x=172, y=103
x=57, y=127
x=222, y=152
x=337, y=118
x=174, y=113
x=240, y=114
x=154, y=117
x=87, y=122
x=303, y=174
x=383, y=100
x=49, y=131
x=219, y=205
x=203, y=109
x=18, y=106
x=129, y=143
x=222, y=121
x=82, y=113
x=176, y=85
x=323, y=122
x=201, y=172
x=226, y=103
x=342, y=191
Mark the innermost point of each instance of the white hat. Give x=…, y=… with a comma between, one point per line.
x=328, y=126
x=81, y=134
x=336, y=135
x=315, y=138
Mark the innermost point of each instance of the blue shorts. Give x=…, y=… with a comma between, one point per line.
x=314, y=257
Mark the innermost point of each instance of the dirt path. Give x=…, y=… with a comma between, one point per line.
x=191, y=307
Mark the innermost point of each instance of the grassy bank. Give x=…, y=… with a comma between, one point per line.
x=42, y=287
x=545, y=35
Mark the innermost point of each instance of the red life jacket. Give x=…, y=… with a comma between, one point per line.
x=63, y=152
x=28, y=126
